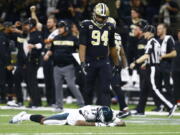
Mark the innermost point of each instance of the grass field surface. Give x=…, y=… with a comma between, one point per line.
x=136, y=125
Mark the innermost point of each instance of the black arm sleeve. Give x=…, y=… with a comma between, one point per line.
x=5, y=55
x=83, y=34
x=170, y=45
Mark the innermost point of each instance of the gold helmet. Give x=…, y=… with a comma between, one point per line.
x=100, y=11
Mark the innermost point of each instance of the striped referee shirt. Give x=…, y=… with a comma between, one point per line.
x=153, y=48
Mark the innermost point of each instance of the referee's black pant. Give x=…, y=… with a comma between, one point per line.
x=151, y=78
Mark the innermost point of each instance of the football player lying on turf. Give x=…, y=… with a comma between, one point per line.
x=85, y=116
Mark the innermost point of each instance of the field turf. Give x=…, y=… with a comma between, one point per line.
x=146, y=125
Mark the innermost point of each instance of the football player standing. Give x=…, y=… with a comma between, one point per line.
x=96, y=43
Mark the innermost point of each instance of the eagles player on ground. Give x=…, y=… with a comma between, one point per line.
x=96, y=42
x=85, y=116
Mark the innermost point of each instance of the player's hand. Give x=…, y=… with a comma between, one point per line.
x=30, y=47
x=111, y=125
x=10, y=67
x=100, y=124
x=132, y=65
x=116, y=69
x=143, y=66
x=46, y=57
x=83, y=68
x=33, y=8
x=162, y=57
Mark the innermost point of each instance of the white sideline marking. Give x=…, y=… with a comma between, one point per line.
x=142, y=133
x=52, y=109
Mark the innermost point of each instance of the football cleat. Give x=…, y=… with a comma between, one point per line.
x=123, y=114
x=173, y=109
x=17, y=118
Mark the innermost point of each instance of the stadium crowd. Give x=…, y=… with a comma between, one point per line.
x=47, y=32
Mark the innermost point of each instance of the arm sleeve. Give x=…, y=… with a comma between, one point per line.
x=5, y=53
x=148, y=48
x=112, y=38
x=83, y=34
x=171, y=44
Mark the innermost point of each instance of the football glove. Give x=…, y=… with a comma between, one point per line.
x=100, y=124
x=116, y=75
x=83, y=68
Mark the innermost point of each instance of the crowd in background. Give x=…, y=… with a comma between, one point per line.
x=14, y=12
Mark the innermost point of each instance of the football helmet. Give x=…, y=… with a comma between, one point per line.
x=100, y=14
x=105, y=114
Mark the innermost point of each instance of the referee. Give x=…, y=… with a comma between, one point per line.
x=152, y=60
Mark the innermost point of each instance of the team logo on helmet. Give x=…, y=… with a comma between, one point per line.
x=100, y=10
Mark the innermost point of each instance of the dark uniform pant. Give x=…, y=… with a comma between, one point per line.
x=20, y=75
x=33, y=84
x=98, y=69
x=116, y=86
x=176, y=85
x=150, y=80
x=2, y=83
x=49, y=81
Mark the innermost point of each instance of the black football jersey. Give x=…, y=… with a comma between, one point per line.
x=141, y=45
x=62, y=48
x=20, y=39
x=98, y=40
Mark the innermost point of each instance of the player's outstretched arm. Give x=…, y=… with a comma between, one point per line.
x=117, y=123
x=85, y=123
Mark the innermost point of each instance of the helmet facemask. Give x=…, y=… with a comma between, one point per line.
x=101, y=13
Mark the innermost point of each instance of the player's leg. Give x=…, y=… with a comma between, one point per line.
x=167, y=85
x=144, y=90
x=105, y=74
x=154, y=84
x=70, y=79
x=58, y=81
x=2, y=85
x=24, y=116
x=17, y=80
x=57, y=119
x=90, y=79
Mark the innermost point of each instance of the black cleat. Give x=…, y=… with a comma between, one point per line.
x=123, y=114
x=173, y=109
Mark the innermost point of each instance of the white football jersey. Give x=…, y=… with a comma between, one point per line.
x=87, y=113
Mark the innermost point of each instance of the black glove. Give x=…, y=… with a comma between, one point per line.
x=116, y=70
x=83, y=68
x=116, y=76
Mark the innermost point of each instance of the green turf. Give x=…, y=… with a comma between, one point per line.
x=135, y=125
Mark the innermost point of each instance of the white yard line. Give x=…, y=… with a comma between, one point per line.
x=89, y=133
x=52, y=109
